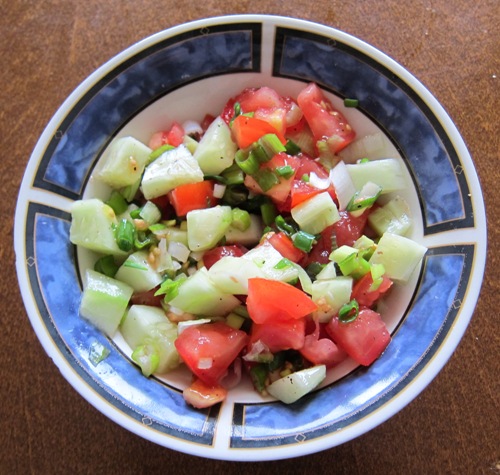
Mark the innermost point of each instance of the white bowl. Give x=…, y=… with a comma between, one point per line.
x=184, y=73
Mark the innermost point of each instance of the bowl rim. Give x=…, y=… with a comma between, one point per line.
x=400, y=400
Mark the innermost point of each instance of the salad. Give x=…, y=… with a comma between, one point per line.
x=246, y=244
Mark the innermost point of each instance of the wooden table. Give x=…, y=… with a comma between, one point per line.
x=49, y=47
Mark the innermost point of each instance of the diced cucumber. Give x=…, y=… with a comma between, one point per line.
x=200, y=296
x=216, y=149
x=267, y=258
x=249, y=237
x=137, y=272
x=124, y=162
x=316, y=213
x=330, y=295
x=399, y=256
x=150, y=213
x=372, y=146
x=230, y=274
x=342, y=252
x=206, y=227
x=93, y=226
x=386, y=173
x=296, y=385
x=394, y=217
x=151, y=335
x=173, y=168
x=328, y=272
x=104, y=301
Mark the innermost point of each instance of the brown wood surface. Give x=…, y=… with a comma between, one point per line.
x=48, y=47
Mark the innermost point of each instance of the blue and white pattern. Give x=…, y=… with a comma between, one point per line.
x=438, y=309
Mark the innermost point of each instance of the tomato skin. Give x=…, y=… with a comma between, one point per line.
x=211, y=256
x=364, y=339
x=361, y=290
x=280, y=335
x=173, y=136
x=349, y=228
x=217, y=343
x=301, y=191
x=326, y=123
x=272, y=300
x=247, y=130
x=284, y=245
x=201, y=395
x=192, y=196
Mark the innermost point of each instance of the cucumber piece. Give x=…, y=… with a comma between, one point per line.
x=394, y=217
x=386, y=173
x=250, y=236
x=216, y=149
x=372, y=146
x=296, y=385
x=330, y=295
x=342, y=252
x=124, y=162
x=230, y=274
x=206, y=227
x=137, y=272
x=316, y=213
x=150, y=213
x=173, y=168
x=104, y=301
x=399, y=256
x=328, y=272
x=93, y=226
x=151, y=335
x=200, y=296
x=267, y=258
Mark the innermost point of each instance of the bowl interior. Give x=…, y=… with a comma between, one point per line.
x=185, y=73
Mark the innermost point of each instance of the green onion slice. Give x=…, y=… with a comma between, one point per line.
x=125, y=235
x=349, y=311
x=303, y=241
x=351, y=102
x=248, y=163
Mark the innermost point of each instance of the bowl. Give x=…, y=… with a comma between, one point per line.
x=183, y=73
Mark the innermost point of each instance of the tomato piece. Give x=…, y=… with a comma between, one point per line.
x=201, y=395
x=363, y=339
x=272, y=300
x=209, y=349
x=320, y=349
x=192, y=196
x=349, y=228
x=247, y=130
x=253, y=99
x=211, y=256
x=284, y=245
x=366, y=297
x=280, y=335
x=207, y=120
x=327, y=124
x=173, y=136
x=280, y=191
x=301, y=191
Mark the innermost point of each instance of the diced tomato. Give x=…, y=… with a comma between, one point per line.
x=294, y=116
x=272, y=300
x=211, y=256
x=247, y=130
x=326, y=123
x=192, y=196
x=320, y=349
x=308, y=165
x=281, y=191
x=280, y=335
x=174, y=136
x=301, y=191
x=366, y=297
x=209, y=349
x=253, y=99
x=284, y=245
x=349, y=228
x=274, y=116
x=147, y=298
x=202, y=395
x=207, y=120
x=364, y=339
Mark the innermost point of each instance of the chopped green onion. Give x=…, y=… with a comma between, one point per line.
x=364, y=198
x=259, y=152
x=218, y=178
x=354, y=266
x=269, y=212
x=235, y=195
x=292, y=148
x=106, y=265
x=258, y=374
x=117, y=202
x=125, y=235
x=283, y=264
x=314, y=268
x=377, y=272
x=154, y=228
x=241, y=219
x=364, y=160
x=170, y=288
x=143, y=240
x=160, y=151
x=249, y=164
x=349, y=311
x=233, y=175
x=303, y=241
x=285, y=171
x=282, y=225
x=305, y=177
x=351, y=102
x=237, y=109
x=271, y=145
x=136, y=213
x=266, y=179
x=97, y=353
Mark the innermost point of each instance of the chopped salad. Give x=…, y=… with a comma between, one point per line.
x=244, y=244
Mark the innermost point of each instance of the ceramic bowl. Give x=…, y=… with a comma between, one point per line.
x=188, y=71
